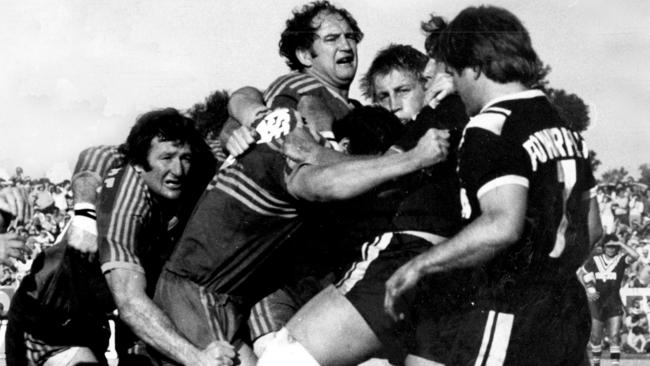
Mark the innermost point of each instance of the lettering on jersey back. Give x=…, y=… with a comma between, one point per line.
x=555, y=143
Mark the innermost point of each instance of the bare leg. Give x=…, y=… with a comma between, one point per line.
x=332, y=330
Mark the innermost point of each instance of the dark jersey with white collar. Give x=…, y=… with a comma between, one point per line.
x=520, y=139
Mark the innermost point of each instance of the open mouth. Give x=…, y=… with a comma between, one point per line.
x=173, y=184
x=345, y=60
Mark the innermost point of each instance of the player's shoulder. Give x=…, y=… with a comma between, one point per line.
x=293, y=84
x=491, y=119
x=123, y=187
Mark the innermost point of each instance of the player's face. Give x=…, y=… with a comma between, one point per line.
x=400, y=92
x=611, y=251
x=333, y=54
x=465, y=84
x=169, y=165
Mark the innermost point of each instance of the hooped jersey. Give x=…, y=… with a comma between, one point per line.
x=240, y=224
x=520, y=139
x=287, y=90
x=606, y=273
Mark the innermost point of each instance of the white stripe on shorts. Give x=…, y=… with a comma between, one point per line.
x=370, y=251
x=496, y=338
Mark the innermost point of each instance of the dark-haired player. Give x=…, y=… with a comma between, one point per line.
x=602, y=275
x=527, y=192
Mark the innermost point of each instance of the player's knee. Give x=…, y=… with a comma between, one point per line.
x=261, y=343
x=283, y=350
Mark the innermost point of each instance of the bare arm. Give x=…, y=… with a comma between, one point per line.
x=355, y=175
x=631, y=252
x=500, y=224
x=246, y=105
x=153, y=326
x=595, y=226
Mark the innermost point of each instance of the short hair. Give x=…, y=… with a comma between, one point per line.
x=371, y=130
x=432, y=28
x=394, y=57
x=211, y=115
x=300, y=33
x=166, y=124
x=492, y=41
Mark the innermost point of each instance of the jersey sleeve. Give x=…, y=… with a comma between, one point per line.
x=487, y=159
x=98, y=159
x=122, y=211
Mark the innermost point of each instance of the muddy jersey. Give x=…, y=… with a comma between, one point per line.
x=520, y=139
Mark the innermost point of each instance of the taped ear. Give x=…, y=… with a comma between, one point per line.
x=304, y=56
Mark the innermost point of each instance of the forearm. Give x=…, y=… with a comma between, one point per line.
x=594, y=224
x=246, y=105
x=350, y=176
x=630, y=251
x=152, y=325
x=477, y=243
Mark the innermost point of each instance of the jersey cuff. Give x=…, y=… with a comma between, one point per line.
x=502, y=181
x=109, y=266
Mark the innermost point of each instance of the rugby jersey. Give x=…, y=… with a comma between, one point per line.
x=520, y=139
x=286, y=91
x=99, y=159
x=133, y=232
x=238, y=226
x=606, y=273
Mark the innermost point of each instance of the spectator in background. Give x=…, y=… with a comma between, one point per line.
x=607, y=218
x=602, y=276
x=636, y=323
x=622, y=201
x=636, y=211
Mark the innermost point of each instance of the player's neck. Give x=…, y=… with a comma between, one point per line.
x=342, y=91
x=493, y=90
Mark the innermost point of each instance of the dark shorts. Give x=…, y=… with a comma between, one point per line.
x=364, y=285
x=200, y=316
x=551, y=329
x=603, y=309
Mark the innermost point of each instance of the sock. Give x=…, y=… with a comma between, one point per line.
x=615, y=354
x=595, y=354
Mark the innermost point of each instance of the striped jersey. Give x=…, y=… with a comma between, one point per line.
x=238, y=226
x=133, y=232
x=520, y=139
x=99, y=159
x=286, y=91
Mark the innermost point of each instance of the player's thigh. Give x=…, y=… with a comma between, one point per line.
x=72, y=356
x=412, y=360
x=333, y=331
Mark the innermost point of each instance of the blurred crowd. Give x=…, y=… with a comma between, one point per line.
x=625, y=211
x=50, y=209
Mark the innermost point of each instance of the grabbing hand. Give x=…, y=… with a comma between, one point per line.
x=12, y=246
x=301, y=146
x=218, y=353
x=438, y=86
x=240, y=140
x=404, y=279
x=432, y=148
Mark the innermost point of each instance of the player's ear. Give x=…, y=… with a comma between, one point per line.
x=304, y=56
x=344, y=143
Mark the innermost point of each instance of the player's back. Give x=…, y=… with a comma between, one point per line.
x=555, y=164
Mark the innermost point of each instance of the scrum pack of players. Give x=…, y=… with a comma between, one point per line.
x=436, y=227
